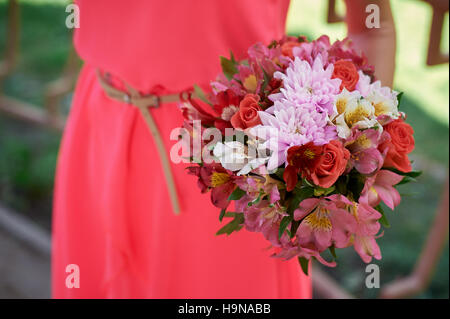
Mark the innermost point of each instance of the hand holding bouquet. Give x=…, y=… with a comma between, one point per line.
x=306, y=143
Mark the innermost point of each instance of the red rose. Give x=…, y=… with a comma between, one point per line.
x=286, y=48
x=247, y=116
x=332, y=164
x=347, y=72
x=400, y=144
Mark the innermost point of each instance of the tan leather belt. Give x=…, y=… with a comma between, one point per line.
x=143, y=102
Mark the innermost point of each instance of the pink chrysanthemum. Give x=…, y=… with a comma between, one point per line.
x=306, y=84
x=300, y=113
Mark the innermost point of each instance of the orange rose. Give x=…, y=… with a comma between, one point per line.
x=347, y=72
x=400, y=144
x=247, y=116
x=332, y=164
x=286, y=48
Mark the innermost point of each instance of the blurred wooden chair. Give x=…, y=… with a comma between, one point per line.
x=435, y=54
x=332, y=15
x=56, y=90
x=8, y=63
x=423, y=271
x=419, y=279
x=49, y=116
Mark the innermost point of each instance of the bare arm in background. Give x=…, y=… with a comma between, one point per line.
x=377, y=43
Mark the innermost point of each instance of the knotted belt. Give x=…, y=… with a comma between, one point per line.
x=143, y=102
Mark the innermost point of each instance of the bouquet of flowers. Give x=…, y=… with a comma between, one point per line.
x=306, y=143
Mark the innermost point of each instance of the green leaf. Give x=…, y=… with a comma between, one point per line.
x=257, y=200
x=341, y=184
x=200, y=94
x=383, y=220
x=272, y=44
x=356, y=184
x=232, y=226
x=244, y=62
x=333, y=251
x=299, y=195
x=283, y=225
x=265, y=81
x=222, y=214
x=231, y=214
x=289, y=233
x=278, y=175
x=305, y=181
x=232, y=57
x=406, y=180
x=228, y=66
x=319, y=191
x=399, y=98
x=294, y=227
x=304, y=263
x=237, y=194
x=412, y=174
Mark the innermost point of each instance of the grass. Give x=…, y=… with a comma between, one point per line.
x=44, y=47
x=27, y=162
x=427, y=86
x=28, y=154
x=426, y=104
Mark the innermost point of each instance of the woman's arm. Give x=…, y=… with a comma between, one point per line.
x=377, y=43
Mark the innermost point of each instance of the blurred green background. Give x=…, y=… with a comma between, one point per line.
x=28, y=154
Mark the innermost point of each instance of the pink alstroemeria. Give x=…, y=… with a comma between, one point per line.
x=380, y=188
x=270, y=59
x=251, y=77
x=309, y=51
x=253, y=186
x=363, y=146
x=366, y=231
x=293, y=249
x=325, y=222
x=222, y=84
x=345, y=50
x=265, y=218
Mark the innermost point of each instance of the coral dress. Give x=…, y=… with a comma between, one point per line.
x=112, y=213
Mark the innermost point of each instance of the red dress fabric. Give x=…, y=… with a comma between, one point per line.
x=112, y=213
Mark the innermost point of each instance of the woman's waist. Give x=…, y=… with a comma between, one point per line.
x=155, y=73
x=147, y=80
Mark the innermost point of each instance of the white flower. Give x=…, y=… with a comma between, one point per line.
x=236, y=156
x=228, y=112
x=363, y=85
x=346, y=100
x=383, y=99
x=353, y=111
